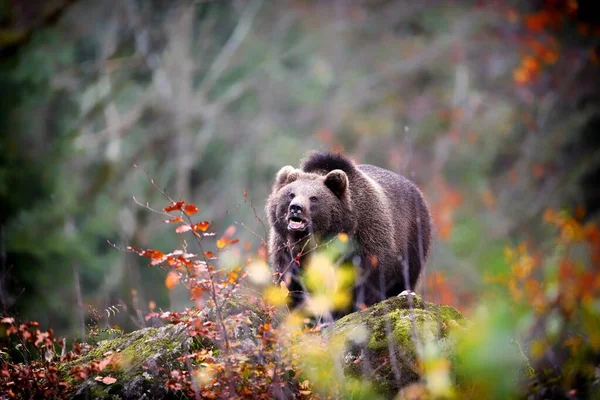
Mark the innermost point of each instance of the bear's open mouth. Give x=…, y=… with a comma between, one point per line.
x=296, y=224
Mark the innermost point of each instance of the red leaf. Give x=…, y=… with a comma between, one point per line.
x=190, y=209
x=173, y=220
x=154, y=254
x=174, y=206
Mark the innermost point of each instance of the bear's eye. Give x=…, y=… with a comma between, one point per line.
x=292, y=195
x=313, y=199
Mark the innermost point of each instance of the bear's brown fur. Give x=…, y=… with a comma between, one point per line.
x=383, y=213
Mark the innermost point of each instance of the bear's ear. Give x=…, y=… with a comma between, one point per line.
x=337, y=182
x=287, y=174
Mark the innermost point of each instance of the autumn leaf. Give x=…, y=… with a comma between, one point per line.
x=172, y=280
x=40, y=338
x=190, y=209
x=108, y=380
x=277, y=296
x=196, y=293
x=225, y=241
x=173, y=220
x=155, y=255
x=201, y=226
x=183, y=228
x=174, y=206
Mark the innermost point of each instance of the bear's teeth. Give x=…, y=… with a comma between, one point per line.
x=296, y=224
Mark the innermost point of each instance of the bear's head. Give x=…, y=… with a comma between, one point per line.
x=303, y=203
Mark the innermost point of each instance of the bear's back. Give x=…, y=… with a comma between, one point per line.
x=411, y=218
x=401, y=192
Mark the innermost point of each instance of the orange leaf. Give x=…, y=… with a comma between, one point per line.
x=196, y=293
x=172, y=280
x=225, y=241
x=201, y=226
x=155, y=254
x=173, y=220
x=183, y=228
x=521, y=76
x=190, y=209
x=174, y=206
x=531, y=64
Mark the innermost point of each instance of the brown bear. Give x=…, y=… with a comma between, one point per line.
x=384, y=215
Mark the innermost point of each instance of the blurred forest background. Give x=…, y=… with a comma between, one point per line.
x=491, y=107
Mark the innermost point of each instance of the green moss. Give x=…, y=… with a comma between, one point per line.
x=403, y=319
x=387, y=348
x=151, y=347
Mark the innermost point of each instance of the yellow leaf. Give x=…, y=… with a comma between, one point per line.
x=284, y=289
x=277, y=296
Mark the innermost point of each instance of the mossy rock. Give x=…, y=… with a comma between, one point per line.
x=381, y=342
x=143, y=358
x=384, y=353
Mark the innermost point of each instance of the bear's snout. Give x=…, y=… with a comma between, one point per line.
x=296, y=207
x=296, y=216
